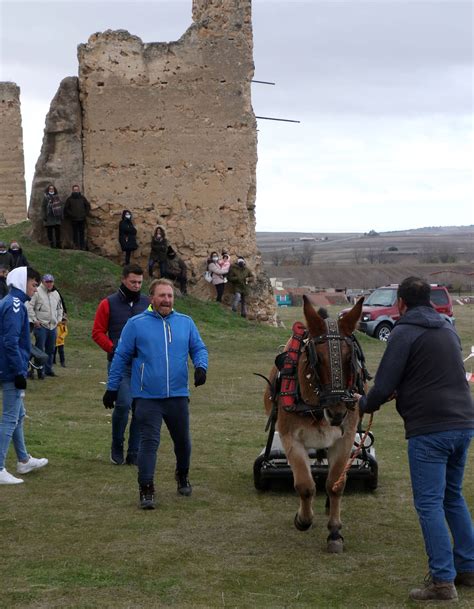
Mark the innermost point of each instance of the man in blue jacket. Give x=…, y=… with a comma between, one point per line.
x=15, y=349
x=157, y=344
x=422, y=366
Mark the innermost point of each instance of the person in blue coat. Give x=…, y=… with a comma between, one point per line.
x=157, y=344
x=15, y=349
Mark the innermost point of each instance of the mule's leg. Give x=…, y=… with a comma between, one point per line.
x=303, y=480
x=338, y=455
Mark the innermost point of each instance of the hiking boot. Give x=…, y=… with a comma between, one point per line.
x=184, y=487
x=30, y=465
x=465, y=579
x=40, y=375
x=147, y=496
x=116, y=454
x=435, y=591
x=7, y=478
x=132, y=459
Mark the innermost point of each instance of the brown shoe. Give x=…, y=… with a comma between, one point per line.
x=435, y=591
x=465, y=579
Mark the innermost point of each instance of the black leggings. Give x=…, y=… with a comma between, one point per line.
x=220, y=291
x=54, y=235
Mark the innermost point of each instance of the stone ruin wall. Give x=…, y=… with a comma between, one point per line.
x=12, y=163
x=168, y=131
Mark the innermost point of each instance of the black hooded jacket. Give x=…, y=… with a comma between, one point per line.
x=127, y=233
x=423, y=364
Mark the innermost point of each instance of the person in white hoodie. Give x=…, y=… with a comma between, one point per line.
x=14, y=357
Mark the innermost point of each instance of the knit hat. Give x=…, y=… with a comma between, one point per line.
x=48, y=277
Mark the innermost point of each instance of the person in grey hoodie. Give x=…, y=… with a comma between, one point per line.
x=423, y=368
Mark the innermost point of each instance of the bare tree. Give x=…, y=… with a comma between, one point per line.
x=277, y=257
x=305, y=254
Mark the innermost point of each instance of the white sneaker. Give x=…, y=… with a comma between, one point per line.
x=30, y=465
x=6, y=478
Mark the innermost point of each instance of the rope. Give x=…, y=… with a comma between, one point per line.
x=340, y=481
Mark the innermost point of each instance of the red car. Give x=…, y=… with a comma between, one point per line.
x=380, y=311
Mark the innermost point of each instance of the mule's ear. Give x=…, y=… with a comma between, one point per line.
x=315, y=322
x=348, y=323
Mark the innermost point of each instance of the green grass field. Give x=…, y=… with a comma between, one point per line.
x=72, y=535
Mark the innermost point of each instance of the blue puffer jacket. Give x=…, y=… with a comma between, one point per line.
x=158, y=349
x=15, y=344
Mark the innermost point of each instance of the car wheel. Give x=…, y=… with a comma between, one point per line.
x=383, y=331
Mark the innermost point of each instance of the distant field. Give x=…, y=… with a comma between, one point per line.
x=355, y=260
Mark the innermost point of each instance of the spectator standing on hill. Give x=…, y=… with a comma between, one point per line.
x=14, y=357
x=158, y=251
x=77, y=208
x=422, y=366
x=176, y=270
x=52, y=212
x=3, y=282
x=45, y=311
x=127, y=235
x=239, y=277
x=157, y=345
x=6, y=259
x=19, y=259
x=217, y=275
x=111, y=316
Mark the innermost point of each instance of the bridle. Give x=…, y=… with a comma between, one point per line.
x=341, y=387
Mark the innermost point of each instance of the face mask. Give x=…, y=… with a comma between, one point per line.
x=215, y=259
x=51, y=192
x=128, y=216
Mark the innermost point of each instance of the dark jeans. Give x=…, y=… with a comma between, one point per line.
x=163, y=267
x=128, y=253
x=78, y=230
x=150, y=413
x=59, y=350
x=46, y=341
x=120, y=416
x=220, y=291
x=54, y=235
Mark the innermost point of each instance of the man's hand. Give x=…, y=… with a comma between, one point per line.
x=109, y=399
x=199, y=377
x=20, y=381
x=37, y=324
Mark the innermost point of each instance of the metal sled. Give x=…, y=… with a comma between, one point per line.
x=275, y=468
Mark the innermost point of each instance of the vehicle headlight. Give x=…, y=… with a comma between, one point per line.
x=366, y=317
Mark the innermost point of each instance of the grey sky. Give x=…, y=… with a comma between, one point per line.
x=383, y=90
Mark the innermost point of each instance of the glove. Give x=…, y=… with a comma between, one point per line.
x=20, y=381
x=109, y=398
x=199, y=377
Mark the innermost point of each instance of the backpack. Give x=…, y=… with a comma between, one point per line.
x=56, y=207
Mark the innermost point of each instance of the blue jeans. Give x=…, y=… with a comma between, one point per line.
x=120, y=413
x=150, y=414
x=437, y=463
x=46, y=341
x=11, y=423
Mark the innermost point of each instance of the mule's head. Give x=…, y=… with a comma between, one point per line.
x=330, y=369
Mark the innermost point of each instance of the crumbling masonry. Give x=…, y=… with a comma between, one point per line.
x=166, y=130
x=12, y=163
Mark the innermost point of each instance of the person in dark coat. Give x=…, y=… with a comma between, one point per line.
x=3, y=282
x=176, y=270
x=19, y=258
x=422, y=368
x=158, y=251
x=6, y=259
x=77, y=208
x=239, y=277
x=52, y=213
x=127, y=235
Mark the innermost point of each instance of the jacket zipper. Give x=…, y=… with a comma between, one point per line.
x=167, y=361
x=141, y=375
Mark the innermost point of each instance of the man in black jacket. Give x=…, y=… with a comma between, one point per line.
x=77, y=208
x=111, y=316
x=422, y=366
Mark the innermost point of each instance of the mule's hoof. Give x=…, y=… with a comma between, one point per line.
x=301, y=526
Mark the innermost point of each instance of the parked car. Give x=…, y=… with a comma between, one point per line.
x=380, y=311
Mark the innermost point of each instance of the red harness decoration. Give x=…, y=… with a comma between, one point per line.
x=288, y=373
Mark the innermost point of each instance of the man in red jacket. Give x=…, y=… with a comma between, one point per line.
x=112, y=314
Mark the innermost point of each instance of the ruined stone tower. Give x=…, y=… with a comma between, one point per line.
x=12, y=163
x=168, y=131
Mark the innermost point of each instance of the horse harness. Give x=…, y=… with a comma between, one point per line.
x=286, y=385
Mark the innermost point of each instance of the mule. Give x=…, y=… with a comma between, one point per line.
x=311, y=394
